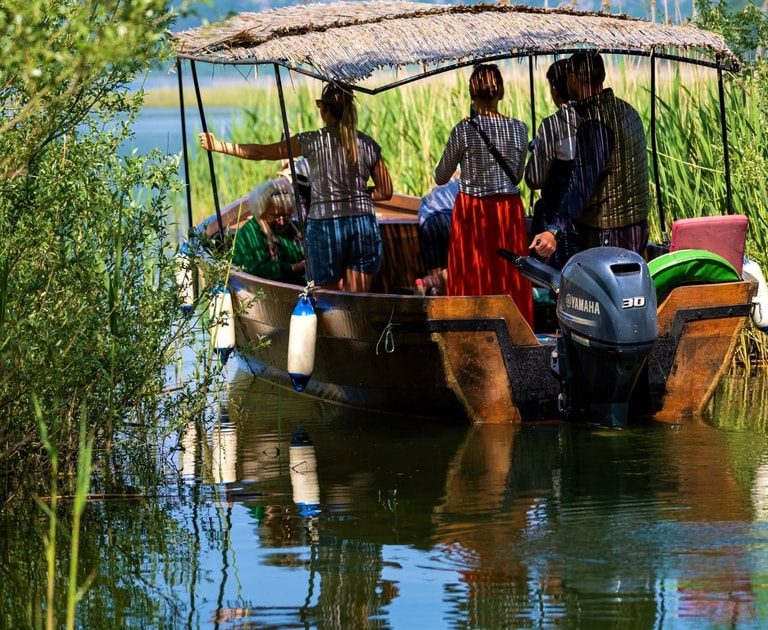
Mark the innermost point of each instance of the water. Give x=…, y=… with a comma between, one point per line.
x=385, y=522
x=160, y=128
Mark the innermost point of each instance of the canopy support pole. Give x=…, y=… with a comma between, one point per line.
x=294, y=181
x=214, y=188
x=533, y=96
x=185, y=149
x=655, y=153
x=533, y=115
x=724, y=133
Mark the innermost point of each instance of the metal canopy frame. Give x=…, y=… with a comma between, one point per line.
x=277, y=65
x=626, y=52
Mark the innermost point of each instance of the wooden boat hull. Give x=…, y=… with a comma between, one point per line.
x=475, y=357
x=449, y=358
x=471, y=358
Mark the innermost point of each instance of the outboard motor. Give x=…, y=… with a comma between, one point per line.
x=606, y=308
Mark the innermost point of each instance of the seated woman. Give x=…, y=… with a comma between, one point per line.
x=269, y=244
x=435, y=212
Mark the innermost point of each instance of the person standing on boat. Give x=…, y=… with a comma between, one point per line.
x=550, y=165
x=344, y=247
x=607, y=200
x=269, y=244
x=488, y=212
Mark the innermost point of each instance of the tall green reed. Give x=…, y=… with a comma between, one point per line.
x=48, y=438
x=412, y=124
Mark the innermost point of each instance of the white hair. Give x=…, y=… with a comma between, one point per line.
x=260, y=199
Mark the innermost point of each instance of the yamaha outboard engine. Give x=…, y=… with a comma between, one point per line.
x=606, y=308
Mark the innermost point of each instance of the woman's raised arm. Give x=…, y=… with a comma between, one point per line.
x=274, y=151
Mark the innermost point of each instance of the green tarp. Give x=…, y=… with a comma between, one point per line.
x=689, y=266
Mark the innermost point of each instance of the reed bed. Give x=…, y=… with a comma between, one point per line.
x=413, y=122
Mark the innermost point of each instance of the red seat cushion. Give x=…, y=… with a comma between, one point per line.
x=723, y=235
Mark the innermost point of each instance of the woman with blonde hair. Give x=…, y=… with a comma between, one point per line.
x=344, y=247
x=490, y=148
x=269, y=244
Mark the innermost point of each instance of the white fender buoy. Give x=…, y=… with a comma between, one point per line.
x=303, y=465
x=302, y=336
x=223, y=323
x=224, y=452
x=760, y=301
x=184, y=281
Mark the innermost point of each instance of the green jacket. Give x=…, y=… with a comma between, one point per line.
x=252, y=254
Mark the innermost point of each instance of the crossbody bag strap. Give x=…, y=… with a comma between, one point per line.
x=495, y=152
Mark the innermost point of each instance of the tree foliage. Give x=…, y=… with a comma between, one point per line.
x=87, y=294
x=745, y=29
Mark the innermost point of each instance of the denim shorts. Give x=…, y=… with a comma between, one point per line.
x=334, y=245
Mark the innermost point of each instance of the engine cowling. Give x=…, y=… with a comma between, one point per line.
x=606, y=308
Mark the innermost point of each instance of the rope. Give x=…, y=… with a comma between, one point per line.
x=309, y=290
x=386, y=335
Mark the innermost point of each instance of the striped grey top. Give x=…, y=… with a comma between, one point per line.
x=556, y=139
x=338, y=189
x=481, y=174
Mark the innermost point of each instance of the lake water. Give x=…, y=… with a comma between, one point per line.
x=160, y=128
x=374, y=521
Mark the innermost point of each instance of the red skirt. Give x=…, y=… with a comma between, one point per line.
x=481, y=225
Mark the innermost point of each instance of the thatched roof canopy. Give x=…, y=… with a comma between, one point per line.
x=347, y=41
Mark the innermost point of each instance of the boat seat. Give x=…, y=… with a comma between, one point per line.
x=723, y=235
x=689, y=266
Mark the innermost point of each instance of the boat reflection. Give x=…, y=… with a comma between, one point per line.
x=210, y=455
x=530, y=524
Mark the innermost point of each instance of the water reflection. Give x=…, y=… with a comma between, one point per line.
x=290, y=512
x=303, y=465
x=534, y=524
x=224, y=452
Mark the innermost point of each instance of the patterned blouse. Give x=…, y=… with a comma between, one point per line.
x=481, y=174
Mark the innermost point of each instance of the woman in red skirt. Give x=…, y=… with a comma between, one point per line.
x=488, y=212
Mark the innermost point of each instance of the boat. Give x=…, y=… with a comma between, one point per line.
x=476, y=358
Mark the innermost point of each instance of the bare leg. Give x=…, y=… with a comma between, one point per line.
x=357, y=281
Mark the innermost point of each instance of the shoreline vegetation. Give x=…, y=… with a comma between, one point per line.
x=89, y=305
